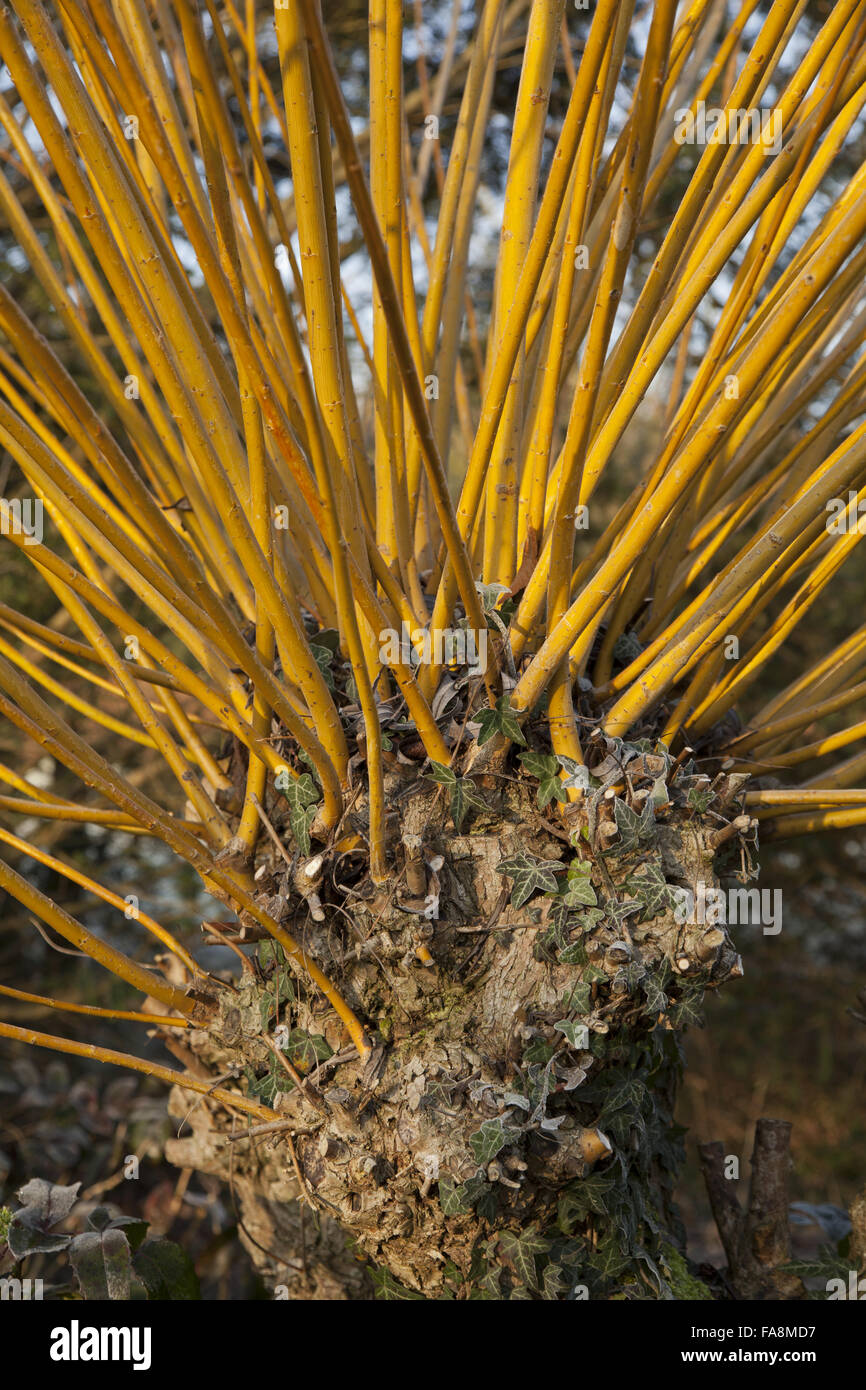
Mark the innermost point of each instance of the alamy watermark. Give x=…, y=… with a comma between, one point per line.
x=737, y=126
x=714, y=907
x=22, y=517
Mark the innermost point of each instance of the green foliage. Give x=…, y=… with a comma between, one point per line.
x=463, y=792
x=634, y=829
x=487, y=1141
x=302, y=796
x=501, y=720
x=529, y=876
x=545, y=767
x=112, y=1259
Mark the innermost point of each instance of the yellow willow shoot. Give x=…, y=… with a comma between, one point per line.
x=327, y=485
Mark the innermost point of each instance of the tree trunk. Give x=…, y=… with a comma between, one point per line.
x=512, y=1133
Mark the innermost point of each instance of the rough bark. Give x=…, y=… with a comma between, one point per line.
x=537, y=1051
x=757, y=1241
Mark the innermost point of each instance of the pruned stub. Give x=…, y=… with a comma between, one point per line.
x=525, y=1013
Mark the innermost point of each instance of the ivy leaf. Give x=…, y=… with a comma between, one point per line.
x=538, y=1051
x=463, y=791
x=617, y=911
x=633, y=828
x=464, y=796
x=306, y=1049
x=627, y=648
x=579, y=891
x=486, y=1142
x=545, y=767
x=324, y=658
x=576, y=1033
x=45, y=1204
x=166, y=1271
x=102, y=1261
x=553, y=1282
x=577, y=1000
x=582, y=1197
x=501, y=720
x=388, y=1290
x=659, y=796
x=445, y=776
x=269, y=1086
x=579, y=776
x=656, y=999
x=489, y=1286
x=520, y=1250
x=529, y=875
x=700, y=799
x=302, y=795
x=686, y=1010
x=652, y=890
x=456, y=1199
x=608, y=1259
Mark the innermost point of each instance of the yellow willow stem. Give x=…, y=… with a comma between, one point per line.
x=226, y=489
x=328, y=375
x=259, y=491
x=807, y=751
x=316, y=691
x=832, y=670
x=553, y=352
x=812, y=823
x=442, y=303
x=67, y=811
x=118, y=726
x=386, y=384
x=402, y=350
x=611, y=280
x=503, y=476
x=693, y=203
x=770, y=641
x=37, y=719
x=654, y=509
x=211, y=818
x=77, y=935
x=800, y=796
x=75, y=876
x=190, y=683
x=155, y=1020
x=512, y=333
x=124, y=1059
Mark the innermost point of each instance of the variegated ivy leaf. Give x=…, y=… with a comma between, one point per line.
x=659, y=796
x=579, y=891
x=445, y=776
x=490, y=594
x=633, y=828
x=456, y=1199
x=529, y=875
x=617, y=912
x=463, y=791
x=487, y=1141
x=700, y=799
x=651, y=889
x=463, y=797
x=306, y=1049
x=545, y=767
x=302, y=795
x=324, y=659
x=520, y=1250
x=577, y=1034
x=501, y=720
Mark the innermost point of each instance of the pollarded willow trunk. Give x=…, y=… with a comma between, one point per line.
x=512, y=1133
